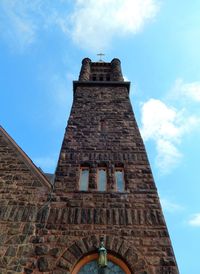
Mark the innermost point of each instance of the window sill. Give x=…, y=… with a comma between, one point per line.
x=101, y=192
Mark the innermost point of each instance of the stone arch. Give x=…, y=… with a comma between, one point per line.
x=94, y=256
x=115, y=246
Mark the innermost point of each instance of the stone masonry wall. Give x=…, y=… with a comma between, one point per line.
x=22, y=199
x=102, y=131
x=45, y=230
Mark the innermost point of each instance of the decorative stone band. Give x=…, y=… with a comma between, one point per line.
x=105, y=216
x=129, y=157
x=77, y=215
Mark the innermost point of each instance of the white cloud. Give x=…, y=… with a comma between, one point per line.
x=195, y=220
x=95, y=23
x=168, y=156
x=187, y=90
x=91, y=24
x=166, y=126
x=158, y=120
x=126, y=78
x=17, y=25
x=169, y=206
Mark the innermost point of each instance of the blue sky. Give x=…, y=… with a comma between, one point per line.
x=42, y=43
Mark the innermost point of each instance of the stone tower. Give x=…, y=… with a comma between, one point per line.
x=102, y=214
x=104, y=175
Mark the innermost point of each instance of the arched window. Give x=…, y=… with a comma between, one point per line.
x=84, y=179
x=88, y=265
x=102, y=179
x=119, y=178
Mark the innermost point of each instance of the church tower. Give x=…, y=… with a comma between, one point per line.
x=102, y=214
x=105, y=185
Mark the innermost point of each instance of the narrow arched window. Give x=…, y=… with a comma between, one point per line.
x=84, y=179
x=107, y=77
x=94, y=77
x=101, y=77
x=102, y=179
x=119, y=179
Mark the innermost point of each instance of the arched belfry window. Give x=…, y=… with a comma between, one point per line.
x=89, y=265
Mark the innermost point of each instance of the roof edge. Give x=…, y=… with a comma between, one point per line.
x=29, y=163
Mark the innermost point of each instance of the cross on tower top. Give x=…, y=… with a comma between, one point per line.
x=100, y=56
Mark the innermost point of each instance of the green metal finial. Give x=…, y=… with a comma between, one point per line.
x=102, y=260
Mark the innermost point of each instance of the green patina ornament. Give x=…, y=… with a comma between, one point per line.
x=102, y=259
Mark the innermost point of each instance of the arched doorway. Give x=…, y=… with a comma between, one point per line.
x=88, y=265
